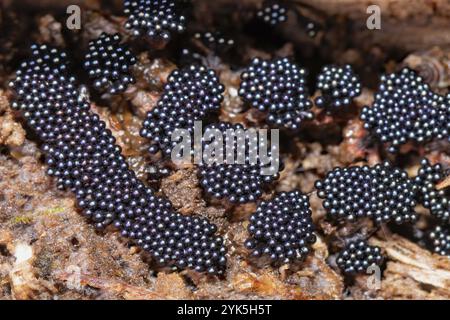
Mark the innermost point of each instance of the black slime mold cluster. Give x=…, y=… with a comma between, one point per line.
x=189, y=95
x=277, y=87
x=282, y=228
x=382, y=193
x=272, y=13
x=108, y=63
x=242, y=180
x=157, y=19
x=440, y=240
x=338, y=87
x=358, y=256
x=437, y=201
x=405, y=109
x=82, y=156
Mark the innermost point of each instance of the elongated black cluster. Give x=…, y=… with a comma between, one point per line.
x=405, y=109
x=437, y=201
x=282, y=228
x=278, y=88
x=440, y=240
x=189, y=95
x=82, y=156
x=214, y=40
x=358, y=256
x=381, y=192
x=155, y=18
x=272, y=13
x=108, y=63
x=236, y=173
x=338, y=86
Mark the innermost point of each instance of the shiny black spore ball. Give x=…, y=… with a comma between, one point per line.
x=282, y=228
x=157, y=19
x=244, y=179
x=439, y=239
x=191, y=93
x=405, y=109
x=277, y=87
x=382, y=193
x=338, y=87
x=272, y=13
x=437, y=201
x=108, y=63
x=358, y=256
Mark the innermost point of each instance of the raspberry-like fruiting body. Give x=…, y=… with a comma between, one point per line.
x=191, y=93
x=437, y=201
x=282, y=228
x=440, y=240
x=241, y=181
x=338, y=86
x=358, y=256
x=108, y=63
x=272, y=13
x=405, y=109
x=277, y=87
x=157, y=19
x=382, y=193
x=83, y=157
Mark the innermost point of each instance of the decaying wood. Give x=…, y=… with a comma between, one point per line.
x=406, y=25
x=444, y=184
x=413, y=272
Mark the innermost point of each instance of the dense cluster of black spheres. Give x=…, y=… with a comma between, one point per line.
x=338, y=87
x=440, y=240
x=190, y=94
x=108, y=63
x=282, y=228
x=358, y=256
x=277, y=87
x=82, y=156
x=406, y=109
x=437, y=201
x=272, y=13
x=241, y=179
x=382, y=193
x=157, y=19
